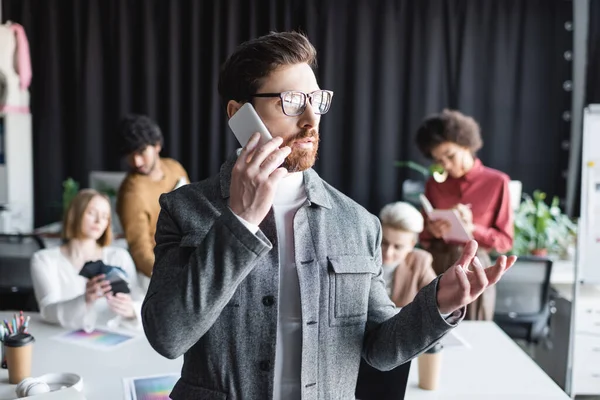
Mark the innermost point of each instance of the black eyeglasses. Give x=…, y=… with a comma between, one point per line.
x=293, y=102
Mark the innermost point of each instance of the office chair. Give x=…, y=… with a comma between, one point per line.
x=16, y=286
x=523, y=306
x=373, y=384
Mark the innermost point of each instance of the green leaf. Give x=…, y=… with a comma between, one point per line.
x=436, y=168
x=70, y=190
x=414, y=166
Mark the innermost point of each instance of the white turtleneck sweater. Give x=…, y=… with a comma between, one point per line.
x=288, y=199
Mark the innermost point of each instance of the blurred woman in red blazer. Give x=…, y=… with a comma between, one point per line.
x=480, y=195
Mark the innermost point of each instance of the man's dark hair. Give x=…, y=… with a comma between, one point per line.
x=448, y=126
x=244, y=71
x=138, y=132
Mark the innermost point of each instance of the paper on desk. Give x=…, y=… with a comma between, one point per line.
x=453, y=339
x=98, y=339
x=458, y=233
x=155, y=387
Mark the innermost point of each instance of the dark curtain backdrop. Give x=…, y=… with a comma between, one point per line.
x=593, y=65
x=390, y=63
x=592, y=87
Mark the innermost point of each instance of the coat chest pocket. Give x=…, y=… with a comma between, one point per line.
x=349, y=287
x=187, y=246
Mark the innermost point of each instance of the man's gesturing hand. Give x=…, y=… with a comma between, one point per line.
x=461, y=285
x=255, y=177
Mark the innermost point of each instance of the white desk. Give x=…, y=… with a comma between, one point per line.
x=493, y=368
x=102, y=372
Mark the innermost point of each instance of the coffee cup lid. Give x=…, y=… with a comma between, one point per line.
x=18, y=340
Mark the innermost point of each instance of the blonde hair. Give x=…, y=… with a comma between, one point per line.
x=402, y=216
x=74, y=215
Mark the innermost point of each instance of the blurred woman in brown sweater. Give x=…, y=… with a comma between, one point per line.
x=405, y=269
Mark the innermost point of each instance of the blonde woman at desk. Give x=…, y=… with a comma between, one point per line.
x=67, y=298
x=406, y=270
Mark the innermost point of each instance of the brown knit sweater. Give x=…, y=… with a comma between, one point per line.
x=138, y=209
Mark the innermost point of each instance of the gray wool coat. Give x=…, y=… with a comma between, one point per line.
x=214, y=291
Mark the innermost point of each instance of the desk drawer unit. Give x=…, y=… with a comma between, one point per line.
x=588, y=319
x=586, y=361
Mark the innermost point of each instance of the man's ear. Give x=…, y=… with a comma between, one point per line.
x=232, y=107
x=158, y=148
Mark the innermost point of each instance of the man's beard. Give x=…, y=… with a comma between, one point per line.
x=301, y=159
x=149, y=171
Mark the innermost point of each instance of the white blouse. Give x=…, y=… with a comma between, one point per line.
x=60, y=291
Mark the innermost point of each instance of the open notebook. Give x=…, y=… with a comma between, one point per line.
x=458, y=233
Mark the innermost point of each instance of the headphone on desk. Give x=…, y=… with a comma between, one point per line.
x=44, y=383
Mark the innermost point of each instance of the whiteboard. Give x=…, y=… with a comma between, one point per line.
x=588, y=238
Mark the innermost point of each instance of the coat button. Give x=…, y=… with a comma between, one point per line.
x=268, y=301
x=265, y=365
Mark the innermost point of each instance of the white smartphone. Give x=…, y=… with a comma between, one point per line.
x=245, y=122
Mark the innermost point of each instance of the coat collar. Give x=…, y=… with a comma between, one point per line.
x=474, y=171
x=313, y=184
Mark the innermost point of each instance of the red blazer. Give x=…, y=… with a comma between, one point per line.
x=486, y=190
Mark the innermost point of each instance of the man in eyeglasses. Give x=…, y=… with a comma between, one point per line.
x=267, y=278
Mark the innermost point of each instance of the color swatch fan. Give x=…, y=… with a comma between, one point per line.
x=155, y=387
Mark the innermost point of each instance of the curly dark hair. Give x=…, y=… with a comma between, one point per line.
x=244, y=71
x=448, y=126
x=138, y=132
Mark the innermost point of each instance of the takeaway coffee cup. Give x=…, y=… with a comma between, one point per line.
x=430, y=364
x=2, y=357
x=18, y=350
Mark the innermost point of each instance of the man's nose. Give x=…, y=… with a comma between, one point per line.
x=388, y=251
x=138, y=161
x=308, y=119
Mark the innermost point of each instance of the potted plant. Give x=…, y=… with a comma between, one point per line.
x=435, y=170
x=411, y=189
x=542, y=229
x=70, y=190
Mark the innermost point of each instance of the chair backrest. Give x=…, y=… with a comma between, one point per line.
x=15, y=275
x=524, y=288
x=16, y=285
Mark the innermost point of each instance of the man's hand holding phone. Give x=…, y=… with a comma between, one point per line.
x=255, y=178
